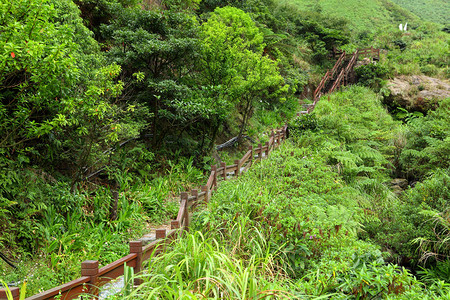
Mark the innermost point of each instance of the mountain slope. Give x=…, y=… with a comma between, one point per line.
x=437, y=11
x=363, y=15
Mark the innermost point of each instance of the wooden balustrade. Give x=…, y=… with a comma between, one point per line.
x=343, y=75
x=93, y=277
x=15, y=293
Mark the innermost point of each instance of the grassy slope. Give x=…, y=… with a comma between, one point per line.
x=288, y=228
x=437, y=11
x=363, y=15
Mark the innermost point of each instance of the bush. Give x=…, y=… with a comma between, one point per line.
x=428, y=143
x=372, y=75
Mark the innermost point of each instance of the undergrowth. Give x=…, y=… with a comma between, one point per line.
x=299, y=225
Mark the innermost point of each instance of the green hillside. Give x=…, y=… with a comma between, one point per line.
x=431, y=10
x=363, y=15
x=110, y=109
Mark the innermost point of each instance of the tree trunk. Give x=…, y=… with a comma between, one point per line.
x=113, y=205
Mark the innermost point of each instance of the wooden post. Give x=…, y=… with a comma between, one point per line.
x=136, y=247
x=224, y=166
x=267, y=150
x=206, y=190
x=259, y=151
x=214, y=183
x=195, y=194
x=184, y=196
x=174, y=224
x=160, y=234
x=15, y=292
x=90, y=268
x=237, y=172
x=251, y=154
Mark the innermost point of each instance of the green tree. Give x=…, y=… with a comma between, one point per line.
x=57, y=110
x=232, y=58
x=163, y=48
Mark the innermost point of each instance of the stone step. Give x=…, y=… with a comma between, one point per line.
x=147, y=239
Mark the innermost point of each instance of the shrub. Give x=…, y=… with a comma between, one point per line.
x=372, y=75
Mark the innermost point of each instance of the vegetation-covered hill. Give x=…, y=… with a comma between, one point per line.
x=108, y=108
x=317, y=219
x=437, y=11
x=363, y=16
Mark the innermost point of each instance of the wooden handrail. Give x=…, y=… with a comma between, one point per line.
x=337, y=64
x=70, y=290
x=15, y=293
x=342, y=77
x=210, y=180
x=95, y=277
x=181, y=211
x=115, y=269
x=246, y=157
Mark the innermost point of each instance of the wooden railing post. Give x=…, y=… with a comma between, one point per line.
x=15, y=292
x=237, y=172
x=267, y=150
x=184, y=196
x=174, y=224
x=206, y=190
x=89, y=268
x=195, y=194
x=136, y=247
x=224, y=166
x=160, y=233
x=214, y=183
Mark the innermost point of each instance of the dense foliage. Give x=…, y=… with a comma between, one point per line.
x=301, y=224
x=434, y=10
x=109, y=108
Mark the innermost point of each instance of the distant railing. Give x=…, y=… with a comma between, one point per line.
x=366, y=52
x=93, y=277
x=341, y=73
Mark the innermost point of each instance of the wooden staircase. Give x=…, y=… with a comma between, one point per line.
x=342, y=74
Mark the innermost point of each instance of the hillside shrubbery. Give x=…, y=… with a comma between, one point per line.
x=292, y=226
x=101, y=124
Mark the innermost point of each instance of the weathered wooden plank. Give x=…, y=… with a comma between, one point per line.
x=246, y=157
x=181, y=211
x=210, y=180
x=201, y=196
x=231, y=168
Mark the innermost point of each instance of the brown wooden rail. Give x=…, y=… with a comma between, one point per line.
x=341, y=73
x=93, y=277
